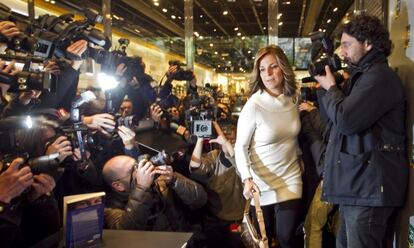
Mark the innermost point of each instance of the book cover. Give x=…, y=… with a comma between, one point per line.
x=83, y=219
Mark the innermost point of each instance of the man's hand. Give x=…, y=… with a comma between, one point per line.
x=156, y=112
x=306, y=106
x=27, y=96
x=77, y=49
x=14, y=180
x=328, y=80
x=9, y=29
x=77, y=154
x=171, y=71
x=145, y=174
x=52, y=67
x=127, y=136
x=42, y=184
x=62, y=146
x=166, y=173
x=100, y=122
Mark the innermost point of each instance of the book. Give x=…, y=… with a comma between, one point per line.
x=83, y=219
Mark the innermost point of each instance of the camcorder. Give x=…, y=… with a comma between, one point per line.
x=181, y=74
x=50, y=35
x=28, y=79
x=322, y=55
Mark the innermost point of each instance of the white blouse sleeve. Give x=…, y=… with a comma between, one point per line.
x=246, y=126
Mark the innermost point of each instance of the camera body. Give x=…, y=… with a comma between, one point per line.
x=26, y=81
x=181, y=74
x=201, y=122
x=322, y=55
x=130, y=121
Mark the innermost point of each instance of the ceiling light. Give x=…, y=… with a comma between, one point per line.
x=201, y=37
x=264, y=28
x=214, y=30
x=239, y=34
x=211, y=44
x=324, y=30
x=279, y=15
x=236, y=28
x=225, y=12
x=346, y=21
x=328, y=21
x=335, y=9
x=156, y=3
x=196, y=34
x=47, y=1
x=201, y=16
x=215, y=52
x=173, y=17
x=218, y=66
x=171, y=41
x=286, y=3
x=280, y=23
x=253, y=57
x=249, y=51
x=243, y=37
x=320, y=30
x=52, y=2
x=164, y=10
x=137, y=30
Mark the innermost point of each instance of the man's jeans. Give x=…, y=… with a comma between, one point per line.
x=362, y=226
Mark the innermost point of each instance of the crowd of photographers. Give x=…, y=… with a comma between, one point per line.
x=57, y=141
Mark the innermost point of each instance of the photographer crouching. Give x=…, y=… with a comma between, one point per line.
x=148, y=197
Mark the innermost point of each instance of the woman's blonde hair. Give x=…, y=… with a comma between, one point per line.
x=289, y=84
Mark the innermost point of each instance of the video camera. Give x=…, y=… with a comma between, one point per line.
x=322, y=55
x=27, y=80
x=50, y=35
x=110, y=60
x=181, y=74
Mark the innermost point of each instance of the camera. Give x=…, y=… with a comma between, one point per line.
x=201, y=122
x=26, y=81
x=322, y=55
x=181, y=74
x=130, y=121
x=156, y=157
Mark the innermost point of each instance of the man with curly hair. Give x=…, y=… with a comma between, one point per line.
x=366, y=168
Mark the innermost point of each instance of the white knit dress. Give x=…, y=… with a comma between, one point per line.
x=267, y=149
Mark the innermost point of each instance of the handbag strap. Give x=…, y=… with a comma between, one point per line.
x=259, y=214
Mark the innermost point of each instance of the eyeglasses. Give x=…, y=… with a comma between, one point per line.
x=130, y=174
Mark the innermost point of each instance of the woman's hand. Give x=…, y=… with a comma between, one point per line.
x=249, y=188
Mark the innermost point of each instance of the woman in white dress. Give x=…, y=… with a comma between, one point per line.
x=267, y=152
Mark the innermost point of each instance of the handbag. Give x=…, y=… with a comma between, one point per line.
x=250, y=236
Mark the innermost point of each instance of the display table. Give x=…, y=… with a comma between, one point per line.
x=138, y=239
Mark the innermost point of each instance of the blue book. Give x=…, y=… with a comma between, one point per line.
x=83, y=219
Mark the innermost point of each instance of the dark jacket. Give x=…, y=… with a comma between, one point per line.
x=223, y=185
x=155, y=209
x=365, y=161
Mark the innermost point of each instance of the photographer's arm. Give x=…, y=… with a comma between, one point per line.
x=191, y=193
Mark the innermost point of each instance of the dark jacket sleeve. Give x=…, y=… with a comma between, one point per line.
x=190, y=193
x=354, y=113
x=135, y=214
x=14, y=107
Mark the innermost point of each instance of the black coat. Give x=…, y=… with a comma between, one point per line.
x=365, y=161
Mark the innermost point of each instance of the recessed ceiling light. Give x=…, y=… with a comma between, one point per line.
x=280, y=23
x=137, y=30
x=173, y=16
x=156, y=3
x=324, y=30
x=215, y=30
x=179, y=17
x=335, y=9
x=279, y=15
x=52, y=2
x=201, y=37
x=286, y=3
x=236, y=28
x=243, y=37
x=201, y=16
x=320, y=30
x=249, y=51
x=264, y=28
x=211, y=44
x=215, y=52
x=164, y=10
x=346, y=21
x=239, y=34
x=328, y=21
x=225, y=12
x=196, y=34
x=47, y=1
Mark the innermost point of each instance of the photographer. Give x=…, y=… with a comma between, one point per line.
x=25, y=201
x=366, y=168
x=216, y=170
x=139, y=201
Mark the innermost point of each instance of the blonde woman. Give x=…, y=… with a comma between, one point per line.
x=267, y=153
